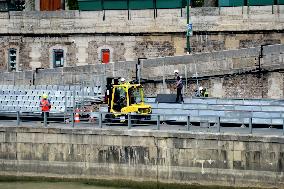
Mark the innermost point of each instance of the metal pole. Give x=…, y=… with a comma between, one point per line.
x=283, y=127
x=219, y=124
x=72, y=117
x=196, y=76
x=65, y=105
x=73, y=109
x=250, y=125
x=18, y=118
x=100, y=120
x=187, y=21
x=158, y=122
x=164, y=81
x=129, y=121
x=188, y=123
x=45, y=119
x=185, y=70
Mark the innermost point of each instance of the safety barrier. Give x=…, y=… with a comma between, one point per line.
x=130, y=121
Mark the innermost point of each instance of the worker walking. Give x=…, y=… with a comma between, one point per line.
x=179, y=87
x=45, y=106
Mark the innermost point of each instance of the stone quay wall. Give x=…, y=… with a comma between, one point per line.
x=170, y=157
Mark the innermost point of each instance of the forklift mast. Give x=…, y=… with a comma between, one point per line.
x=109, y=89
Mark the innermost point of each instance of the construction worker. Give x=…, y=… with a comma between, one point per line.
x=205, y=93
x=45, y=106
x=120, y=96
x=122, y=81
x=176, y=74
x=199, y=92
x=179, y=87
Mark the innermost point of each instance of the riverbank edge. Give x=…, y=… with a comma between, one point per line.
x=117, y=183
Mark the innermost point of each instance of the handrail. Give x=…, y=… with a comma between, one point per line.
x=128, y=118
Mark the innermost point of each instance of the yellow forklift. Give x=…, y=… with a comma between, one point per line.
x=126, y=98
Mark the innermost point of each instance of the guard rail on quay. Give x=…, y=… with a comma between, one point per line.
x=99, y=120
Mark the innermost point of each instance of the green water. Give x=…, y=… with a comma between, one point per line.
x=49, y=185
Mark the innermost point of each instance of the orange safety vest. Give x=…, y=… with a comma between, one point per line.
x=45, y=105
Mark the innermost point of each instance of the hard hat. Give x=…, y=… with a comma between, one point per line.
x=175, y=71
x=122, y=79
x=200, y=88
x=44, y=96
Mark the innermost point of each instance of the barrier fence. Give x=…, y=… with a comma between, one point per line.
x=129, y=121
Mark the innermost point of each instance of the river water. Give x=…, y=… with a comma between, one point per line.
x=50, y=185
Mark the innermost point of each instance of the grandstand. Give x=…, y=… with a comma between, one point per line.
x=25, y=98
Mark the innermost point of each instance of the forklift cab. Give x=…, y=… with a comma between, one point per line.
x=126, y=98
x=126, y=95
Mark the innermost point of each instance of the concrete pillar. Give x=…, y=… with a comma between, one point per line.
x=216, y=89
x=275, y=85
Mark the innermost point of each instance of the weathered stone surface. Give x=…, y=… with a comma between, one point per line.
x=211, y=159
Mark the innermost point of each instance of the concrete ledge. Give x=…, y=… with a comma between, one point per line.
x=52, y=132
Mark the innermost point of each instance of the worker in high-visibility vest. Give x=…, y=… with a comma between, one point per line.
x=45, y=105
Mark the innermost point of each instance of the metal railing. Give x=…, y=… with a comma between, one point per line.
x=129, y=121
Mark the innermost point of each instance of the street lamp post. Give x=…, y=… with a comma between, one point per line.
x=188, y=32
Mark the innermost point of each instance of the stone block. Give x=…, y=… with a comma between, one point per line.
x=77, y=139
x=64, y=138
x=2, y=137
x=239, y=146
x=50, y=138
x=207, y=154
x=231, y=11
x=225, y=145
x=25, y=137
x=238, y=165
x=10, y=166
x=237, y=155
x=207, y=144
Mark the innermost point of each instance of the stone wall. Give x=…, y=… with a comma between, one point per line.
x=83, y=34
x=227, y=74
x=188, y=158
x=214, y=63
x=36, y=52
x=262, y=18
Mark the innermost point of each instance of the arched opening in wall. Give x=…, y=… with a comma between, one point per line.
x=105, y=56
x=12, y=59
x=58, y=58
